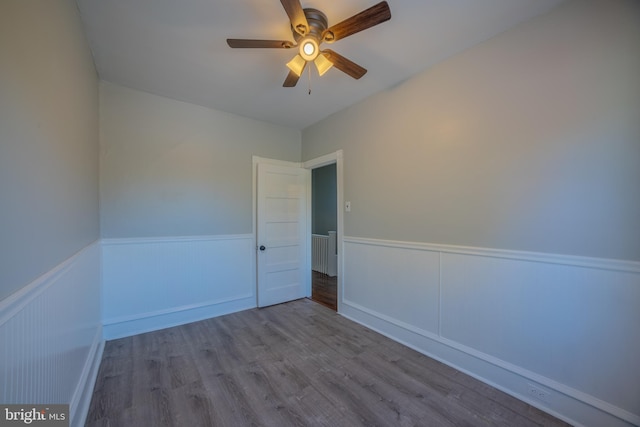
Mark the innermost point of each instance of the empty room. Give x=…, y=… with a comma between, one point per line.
x=316, y=213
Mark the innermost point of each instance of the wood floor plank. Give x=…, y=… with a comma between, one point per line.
x=111, y=395
x=154, y=408
x=294, y=364
x=269, y=401
x=320, y=411
x=405, y=398
x=182, y=370
x=230, y=401
x=196, y=407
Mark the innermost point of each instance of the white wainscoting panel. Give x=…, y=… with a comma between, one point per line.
x=155, y=283
x=403, y=285
x=563, y=322
x=51, y=337
x=569, y=325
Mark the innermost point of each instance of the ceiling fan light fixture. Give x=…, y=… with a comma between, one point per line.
x=297, y=65
x=322, y=64
x=309, y=48
x=310, y=28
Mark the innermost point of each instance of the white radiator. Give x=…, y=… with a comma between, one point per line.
x=324, y=254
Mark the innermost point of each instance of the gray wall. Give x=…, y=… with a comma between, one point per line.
x=48, y=139
x=168, y=168
x=529, y=141
x=324, y=202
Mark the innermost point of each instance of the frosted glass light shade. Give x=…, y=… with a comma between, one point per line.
x=297, y=65
x=322, y=64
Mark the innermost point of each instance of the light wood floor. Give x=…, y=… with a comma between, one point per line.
x=294, y=364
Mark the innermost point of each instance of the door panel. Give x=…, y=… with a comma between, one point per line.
x=281, y=230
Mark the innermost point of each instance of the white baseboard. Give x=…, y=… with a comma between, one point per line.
x=153, y=321
x=81, y=400
x=452, y=304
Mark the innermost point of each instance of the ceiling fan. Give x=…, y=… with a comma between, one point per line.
x=310, y=29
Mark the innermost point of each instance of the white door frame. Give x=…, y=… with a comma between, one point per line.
x=335, y=157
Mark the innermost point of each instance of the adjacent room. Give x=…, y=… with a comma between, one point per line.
x=429, y=216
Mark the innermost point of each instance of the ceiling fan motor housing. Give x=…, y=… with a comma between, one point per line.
x=317, y=24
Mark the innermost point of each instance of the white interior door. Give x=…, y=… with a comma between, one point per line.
x=282, y=233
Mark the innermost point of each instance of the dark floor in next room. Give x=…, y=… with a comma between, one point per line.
x=324, y=290
x=293, y=364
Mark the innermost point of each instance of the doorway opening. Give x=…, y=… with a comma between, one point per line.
x=324, y=242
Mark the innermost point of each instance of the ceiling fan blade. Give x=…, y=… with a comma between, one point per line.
x=250, y=43
x=296, y=16
x=343, y=64
x=291, y=80
x=368, y=18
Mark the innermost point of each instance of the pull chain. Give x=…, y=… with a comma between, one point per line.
x=309, y=68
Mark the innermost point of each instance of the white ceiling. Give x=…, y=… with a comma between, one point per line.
x=178, y=49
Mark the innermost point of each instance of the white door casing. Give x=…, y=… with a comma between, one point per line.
x=281, y=233
x=336, y=157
